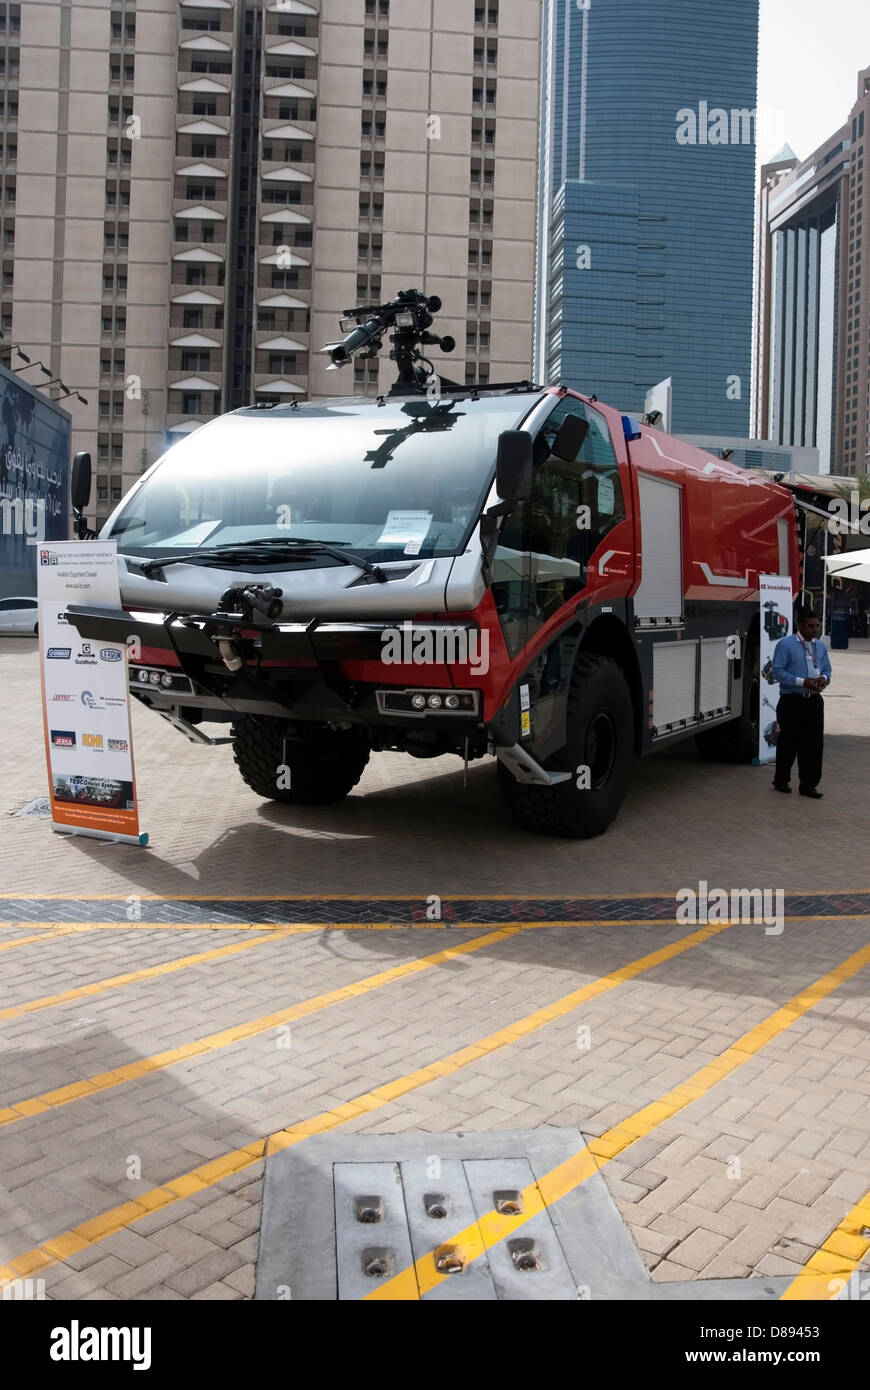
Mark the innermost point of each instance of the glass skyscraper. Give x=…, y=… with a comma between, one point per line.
x=646, y=192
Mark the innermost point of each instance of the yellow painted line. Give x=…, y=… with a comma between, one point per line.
x=132, y=977
x=105, y=1081
x=207, y=1174
x=43, y=936
x=493, y=1227
x=830, y=1268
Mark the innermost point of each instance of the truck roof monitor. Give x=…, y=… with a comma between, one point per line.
x=408, y=319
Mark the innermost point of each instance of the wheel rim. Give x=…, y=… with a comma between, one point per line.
x=600, y=749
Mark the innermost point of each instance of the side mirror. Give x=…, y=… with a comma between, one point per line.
x=571, y=438
x=513, y=470
x=80, y=482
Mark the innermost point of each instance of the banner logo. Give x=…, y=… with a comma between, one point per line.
x=59, y=653
x=63, y=738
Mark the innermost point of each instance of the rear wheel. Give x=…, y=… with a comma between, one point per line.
x=319, y=768
x=598, y=752
x=737, y=741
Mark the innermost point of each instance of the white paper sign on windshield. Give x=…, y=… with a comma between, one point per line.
x=406, y=528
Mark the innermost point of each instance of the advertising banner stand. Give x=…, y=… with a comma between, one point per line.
x=85, y=698
x=776, y=601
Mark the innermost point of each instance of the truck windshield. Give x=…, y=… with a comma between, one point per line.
x=408, y=478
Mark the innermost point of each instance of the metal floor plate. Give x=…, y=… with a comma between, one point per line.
x=343, y=1214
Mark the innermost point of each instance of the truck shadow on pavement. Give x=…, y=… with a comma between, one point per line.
x=683, y=820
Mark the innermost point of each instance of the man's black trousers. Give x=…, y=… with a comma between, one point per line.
x=801, y=722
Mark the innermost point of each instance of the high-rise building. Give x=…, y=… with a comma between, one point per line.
x=647, y=172
x=812, y=321
x=193, y=192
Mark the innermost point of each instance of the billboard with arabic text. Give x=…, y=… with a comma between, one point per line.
x=34, y=480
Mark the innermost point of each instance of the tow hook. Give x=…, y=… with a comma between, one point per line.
x=230, y=654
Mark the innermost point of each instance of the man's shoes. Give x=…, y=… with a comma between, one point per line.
x=781, y=787
x=816, y=796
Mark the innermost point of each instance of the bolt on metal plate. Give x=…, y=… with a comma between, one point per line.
x=369, y=1209
x=367, y=1195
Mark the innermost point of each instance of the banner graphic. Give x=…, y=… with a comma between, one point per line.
x=85, y=699
x=776, y=610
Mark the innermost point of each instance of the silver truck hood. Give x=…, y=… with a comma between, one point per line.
x=449, y=583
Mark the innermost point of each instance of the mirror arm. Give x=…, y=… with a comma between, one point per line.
x=489, y=534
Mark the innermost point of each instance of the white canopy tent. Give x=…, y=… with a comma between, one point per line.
x=852, y=564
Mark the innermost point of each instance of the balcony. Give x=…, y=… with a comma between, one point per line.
x=302, y=86
x=218, y=125
x=292, y=49
x=178, y=379
x=272, y=124
x=182, y=207
x=174, y=421
x=209, y=248
x=281, y=212
x=218, y=83
x=264, y=383
x=263, y=336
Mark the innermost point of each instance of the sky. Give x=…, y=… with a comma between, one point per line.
x=810, y=52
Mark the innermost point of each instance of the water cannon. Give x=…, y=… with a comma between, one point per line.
x=408, y=319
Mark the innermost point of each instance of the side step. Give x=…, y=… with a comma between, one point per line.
x=524, y=768
x=190, y=730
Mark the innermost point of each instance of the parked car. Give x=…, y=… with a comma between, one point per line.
x=18, y=615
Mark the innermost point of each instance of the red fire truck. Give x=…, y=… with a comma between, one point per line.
x=510, y=570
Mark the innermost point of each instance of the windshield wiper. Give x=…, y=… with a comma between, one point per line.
x=263, y=548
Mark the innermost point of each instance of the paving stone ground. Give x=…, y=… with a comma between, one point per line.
x=747, y=1180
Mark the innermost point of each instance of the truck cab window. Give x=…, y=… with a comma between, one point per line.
x=546, y=544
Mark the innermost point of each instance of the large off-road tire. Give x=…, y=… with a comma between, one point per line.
x=737, y=741
x=323, y=766
x=600, y=722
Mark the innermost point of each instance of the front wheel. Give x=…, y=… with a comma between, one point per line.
x=598, y=753
x=317, y=769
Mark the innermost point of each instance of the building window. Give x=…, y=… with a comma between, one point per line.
x=282, y=195
x=191, y=402
x=282, y=362
x=195, y=360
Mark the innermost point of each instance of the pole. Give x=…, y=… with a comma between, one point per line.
x=825, y=582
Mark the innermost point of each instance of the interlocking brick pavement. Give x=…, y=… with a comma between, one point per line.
x=747, y=1180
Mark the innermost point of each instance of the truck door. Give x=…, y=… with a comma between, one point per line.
x=542, y=560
